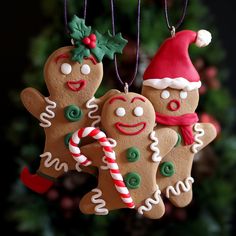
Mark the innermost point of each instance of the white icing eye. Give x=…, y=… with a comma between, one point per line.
x=165, y=94
x=183, y=94
x=66, y=68
x=120, y=111
x=85, y=69
x=138, y=111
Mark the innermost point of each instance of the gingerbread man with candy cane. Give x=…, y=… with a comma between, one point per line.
x=133, y=150
x=171, y=83
x=72, y=75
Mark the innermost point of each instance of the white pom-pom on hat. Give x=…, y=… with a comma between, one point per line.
x=203, y=38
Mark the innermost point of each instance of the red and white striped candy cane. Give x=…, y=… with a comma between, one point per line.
x=110, y=158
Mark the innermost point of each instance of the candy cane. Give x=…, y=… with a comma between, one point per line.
x=110, y=158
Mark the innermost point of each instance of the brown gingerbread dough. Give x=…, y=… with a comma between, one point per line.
x=128, y=120
x=70, y=105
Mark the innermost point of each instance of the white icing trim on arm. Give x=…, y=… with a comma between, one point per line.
x=100, y=203
x=175, y=83
x=48, y=114
x=156, y=151
x=49, y=162
x=90, y=104
x=199, y=133
x=176, y=190
x=150, y=201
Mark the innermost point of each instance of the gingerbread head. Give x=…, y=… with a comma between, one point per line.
x=171, y=82
x=128, y=115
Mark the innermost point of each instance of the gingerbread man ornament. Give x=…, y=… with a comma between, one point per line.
x=171, y=83
x=72, y=75
x=127, y=173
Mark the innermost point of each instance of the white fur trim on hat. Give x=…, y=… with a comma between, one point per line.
x=203, y=38
x=176, y=83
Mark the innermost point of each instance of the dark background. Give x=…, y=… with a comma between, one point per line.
x=21, y=20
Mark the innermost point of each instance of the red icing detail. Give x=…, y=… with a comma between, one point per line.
x=92, y=59
x=86, y=40
x=117, y=98
x=92, y=45
x=172, y=59
x=173, y=105
x=80, y=133
x=35, y=182
x=76, y=85
x=138, y=98
x=185, y=123
x=62, y=56
x=94, y=132
x=93, y=37
x=120, y=126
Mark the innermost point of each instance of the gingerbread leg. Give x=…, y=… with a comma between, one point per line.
x=93, y=203
x=153, y=207
x=180, y=194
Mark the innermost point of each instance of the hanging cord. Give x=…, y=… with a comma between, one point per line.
x=66, y=17
x=127, y=84
x=171, y=27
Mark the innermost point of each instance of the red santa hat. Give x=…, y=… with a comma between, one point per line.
x=172, y=67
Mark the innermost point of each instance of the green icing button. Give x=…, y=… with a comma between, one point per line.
x=167, y=169
x=73, y=113
x=179, y=140
x=132, y=154
x=132, y=180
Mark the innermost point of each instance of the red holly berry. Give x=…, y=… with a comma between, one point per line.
x=86, y=40
x=92, y=45
x=92, y=37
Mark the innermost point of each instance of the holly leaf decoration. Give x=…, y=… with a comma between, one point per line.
x=108, y=45
x=79, y=53
x=78, y=28
x=87, y=43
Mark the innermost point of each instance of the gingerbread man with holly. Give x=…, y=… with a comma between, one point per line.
x=72, y=75
x=127, y=173
x=171, y=83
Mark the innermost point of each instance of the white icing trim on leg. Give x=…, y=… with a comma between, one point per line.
x=199, y=133
x=90, y=104
x=176, y=190
x=156, y=151
x=95, y=199
x=49, y=162
x=150, y=201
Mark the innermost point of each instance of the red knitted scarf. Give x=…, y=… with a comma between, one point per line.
x=185, y=123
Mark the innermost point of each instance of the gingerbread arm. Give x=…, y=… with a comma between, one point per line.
x=33, y=101
x=94, y=153
x=204, y=134
x=167, y=139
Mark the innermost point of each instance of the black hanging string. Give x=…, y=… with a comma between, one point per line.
x=127, y=84
x=170, y=26
x=66, y=17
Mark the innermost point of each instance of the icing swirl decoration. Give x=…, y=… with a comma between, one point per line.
x=156, y=151
x=91, y=105
x=132, y=154
x=150, y=201
x=49, y=162
x=179, y=140
x=73, y=113
x=100, y=203
x=199, y=133
x=186, y=186
x=48, y=114
x=132, y=180
x=167, y=169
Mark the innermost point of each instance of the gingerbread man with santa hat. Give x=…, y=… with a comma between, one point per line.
x=171, y=83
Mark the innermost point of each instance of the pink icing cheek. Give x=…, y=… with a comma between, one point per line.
x=173, y=105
